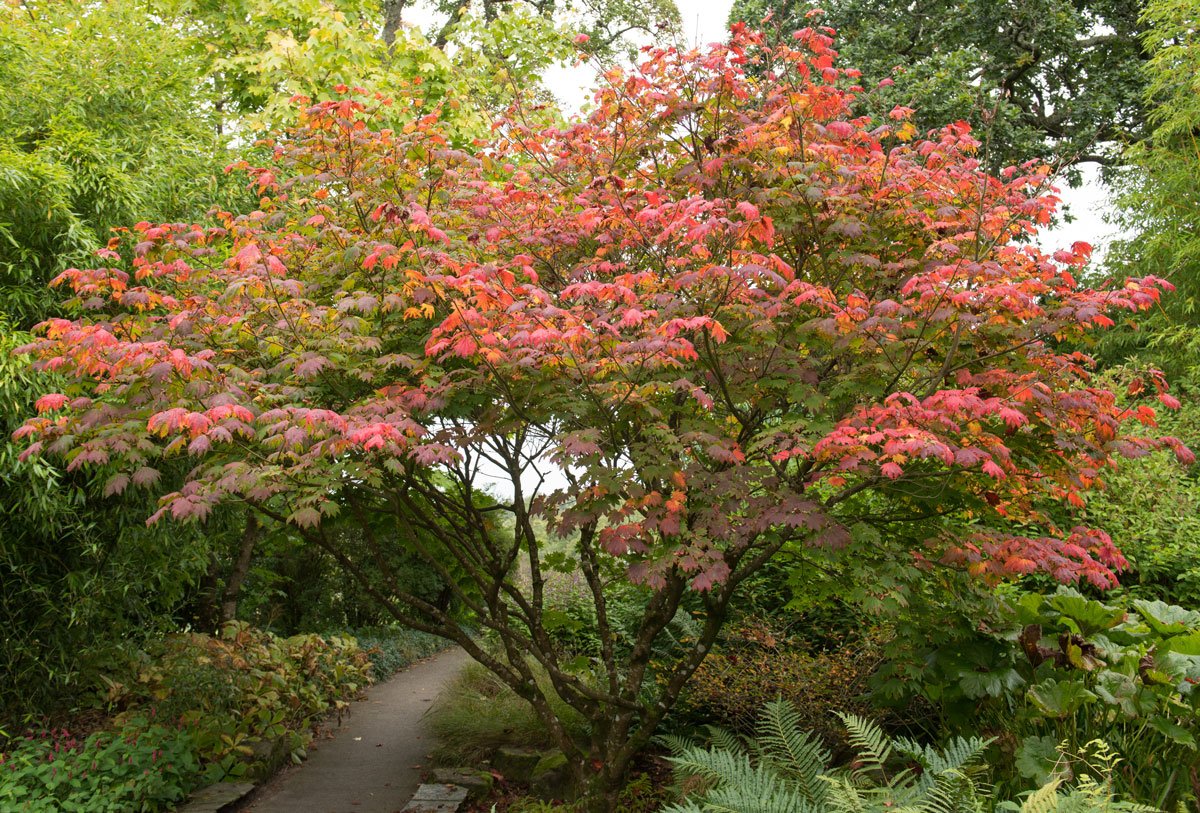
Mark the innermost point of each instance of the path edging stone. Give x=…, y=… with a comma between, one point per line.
x=216, y=797
x=442, y=798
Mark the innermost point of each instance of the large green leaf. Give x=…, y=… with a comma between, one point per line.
x=989, y=684
x=1037, y=758
x=1059, y=699
x=1167, y=619
x=1085, y=615
x=1120, y=690
x=1173, y=731
x=1188, y=644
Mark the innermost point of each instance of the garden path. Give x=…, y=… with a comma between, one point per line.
x=372, y=763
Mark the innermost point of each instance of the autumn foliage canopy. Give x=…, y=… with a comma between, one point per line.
x=722, y=308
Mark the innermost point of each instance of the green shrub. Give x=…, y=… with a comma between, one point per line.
x=391, y=649
x=757, y=663
x=787, y=770
x=1153, y=510
x=144, y=767
x=1049, y=673
x=243, y=687
x=570, y=616
x=1087, y=795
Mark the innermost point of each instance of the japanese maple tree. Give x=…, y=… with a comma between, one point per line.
x=692, y=328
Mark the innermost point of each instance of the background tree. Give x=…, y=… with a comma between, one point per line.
x=1055, y=79
x=124, y=109
x=730, y=315
x=106, y=119
x=126, y=129
x=1161, y=197
x=609, y=24
x=262, y=52
x=139, y=120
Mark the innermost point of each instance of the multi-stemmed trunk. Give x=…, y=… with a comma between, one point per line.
x=633, y=695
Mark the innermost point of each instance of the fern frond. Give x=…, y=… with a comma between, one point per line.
x=956, y=755
x=686, y=806
x=724, y=739
x=675, y=743
x=1044, y=799
x=873, y=747
x=952, y=792
x=735, y=784
x=786, y=771
x=843, y=796
x=769, y=795
x=716, y=766
x=800, y=755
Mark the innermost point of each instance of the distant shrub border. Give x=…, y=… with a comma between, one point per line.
x=391, y=649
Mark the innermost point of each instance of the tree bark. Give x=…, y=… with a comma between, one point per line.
x=443, y=34
x=233, y=587
x=208, y=611
x=393, y=13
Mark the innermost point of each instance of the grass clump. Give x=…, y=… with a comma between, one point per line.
x=477, y=713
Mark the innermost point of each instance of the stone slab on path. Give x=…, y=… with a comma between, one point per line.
x=215, y=797
x=437, y=799
x=370, y=765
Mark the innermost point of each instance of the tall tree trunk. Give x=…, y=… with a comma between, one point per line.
x=393, y=12
x=455, y=13
x=233, y=587
x=208, y=611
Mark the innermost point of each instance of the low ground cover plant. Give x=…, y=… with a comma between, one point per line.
x=1048, y=673
x=478, y=713
x=644, y=793
x=139, y=767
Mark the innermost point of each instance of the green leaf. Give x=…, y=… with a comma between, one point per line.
x=1059, y=699
x=1173, y=731
x=1183, y=644
x=989, y=684
x=1119, y=690
x=1037, y=758
x=1088, y=616
x=558, y=620
x=1167, y=619
x=1028, y=609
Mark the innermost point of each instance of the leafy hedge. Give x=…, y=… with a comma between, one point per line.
x=190, y=710
x=391, y=649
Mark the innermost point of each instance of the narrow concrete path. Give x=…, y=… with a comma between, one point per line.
x=368, y=767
